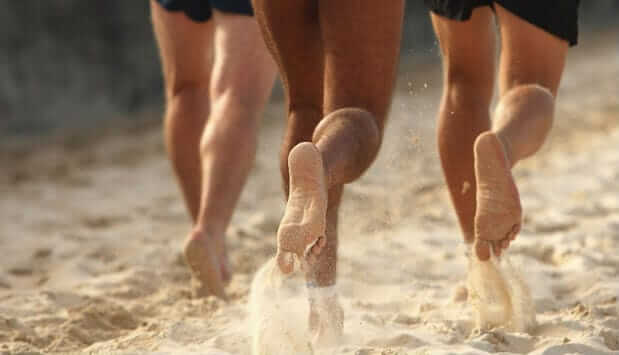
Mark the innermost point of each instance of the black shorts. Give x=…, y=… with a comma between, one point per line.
x=557, y=17
x=202, y=10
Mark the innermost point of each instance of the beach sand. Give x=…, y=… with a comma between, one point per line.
x=91, y=236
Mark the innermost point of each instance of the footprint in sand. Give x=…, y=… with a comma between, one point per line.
x=21, y=271
x=4, y=284
x=102, y=222
x=42, y=253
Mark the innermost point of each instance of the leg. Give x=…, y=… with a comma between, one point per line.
x=525, y=112
x=297, y=48
x=468, y=51
x=532, y=62
x=358, y=89
x=359, y=81
x=357, y=98
x=186, y=70
x=346, y=141
x=242, y=78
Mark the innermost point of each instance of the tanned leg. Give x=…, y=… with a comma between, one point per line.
x=357, y=92
x=468, y=52
x=297, y=47
x=186, y=67
x=531, y=66
x=218, y=78
x=241, y=81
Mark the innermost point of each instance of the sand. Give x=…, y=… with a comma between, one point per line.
x=92, y=229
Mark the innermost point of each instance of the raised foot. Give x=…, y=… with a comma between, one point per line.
x=208, y=264
x=498, y=216
x=302, y=229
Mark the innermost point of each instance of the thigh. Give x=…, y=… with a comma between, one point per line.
x=185, y=47
x=529, y=54
x=468, y=49
x=361, y=40
x=291, y=32
x=243, y=69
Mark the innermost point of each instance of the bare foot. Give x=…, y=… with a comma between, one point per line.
x=499, y=215
x=326, y=322
x=208, y=264
x=302, y=229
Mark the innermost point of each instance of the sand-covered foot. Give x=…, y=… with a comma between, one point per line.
x=302, y=229
x=499, y=214
x=326, y=322
x=208, y=264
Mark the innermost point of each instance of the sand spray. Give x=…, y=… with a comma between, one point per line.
x=499, y=294
x=278, y=316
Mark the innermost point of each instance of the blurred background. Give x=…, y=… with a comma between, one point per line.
x=76, y=65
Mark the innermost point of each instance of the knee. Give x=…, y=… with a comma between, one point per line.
x=182, y=96
x=527, y=97
x=468, y=86
x=354, y=120
x=534, y=93
x=235, y=131
x=232, y=124
x=233, y=91
x=234, y=117
x=354, y=127
x=232, y=101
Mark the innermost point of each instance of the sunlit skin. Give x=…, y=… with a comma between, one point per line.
x=218, y=77
x=477, y=157
x=338, y=62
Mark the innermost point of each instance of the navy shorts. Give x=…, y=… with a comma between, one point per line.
x=202, y=10
x=557, y=17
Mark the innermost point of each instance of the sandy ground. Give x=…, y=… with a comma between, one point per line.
x=92, y=228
